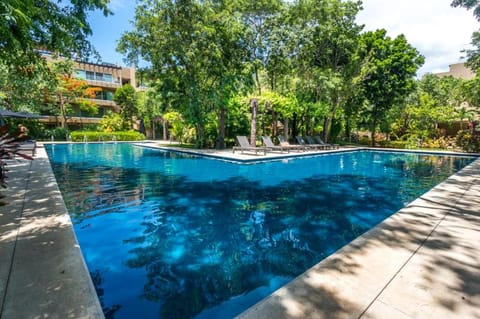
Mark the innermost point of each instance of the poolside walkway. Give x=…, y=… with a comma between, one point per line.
x=42, y=272
x=423, y=262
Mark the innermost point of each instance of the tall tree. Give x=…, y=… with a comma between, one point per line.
x=387, y=74
x=126, y=98
x=327, y=40
x=260, y=19
x=27, y=26
x=473, y=55
x=196, y=50
x=68, y=92
x=59, y=26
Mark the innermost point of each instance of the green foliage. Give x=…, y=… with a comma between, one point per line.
x=58, y=26
x=473, y=55
x=326, y=61
x=179, y=129
x=149, y=106
x=87, y=136
x=126, y=98
x=196, y=52
x=435, y=100
x=58, y=134
x=111, y=122
x=25, y=26
x=468, y=141
x=388, y=67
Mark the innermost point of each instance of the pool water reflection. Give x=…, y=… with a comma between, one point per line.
x=167, y=235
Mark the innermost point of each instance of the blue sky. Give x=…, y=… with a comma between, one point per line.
x=108, y=30
x=437, y=30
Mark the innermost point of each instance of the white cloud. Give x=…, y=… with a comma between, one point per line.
x=436, y=29
x=116, y=5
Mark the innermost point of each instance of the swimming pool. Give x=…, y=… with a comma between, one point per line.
x=168, y=235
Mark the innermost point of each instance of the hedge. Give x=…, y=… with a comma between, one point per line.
x=84, y=136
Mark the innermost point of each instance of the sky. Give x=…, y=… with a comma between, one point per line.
x=438, y=31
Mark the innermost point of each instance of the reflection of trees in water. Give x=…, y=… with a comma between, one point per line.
x=205, y=242
x=208, y=242
x=109, y=311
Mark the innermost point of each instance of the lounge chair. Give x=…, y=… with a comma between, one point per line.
x=320, y=141
x=311, y=142
x=269, y=144
x=29, y=147
x=285, y=143
x=301, y=141
x=244, y=145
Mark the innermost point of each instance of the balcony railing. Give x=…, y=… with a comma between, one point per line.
x=115, y=84
x=102, y=102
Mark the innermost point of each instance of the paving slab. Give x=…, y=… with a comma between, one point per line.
x=47, y=276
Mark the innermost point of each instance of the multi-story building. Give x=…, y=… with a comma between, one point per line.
x=459, y=71
x=107, y=77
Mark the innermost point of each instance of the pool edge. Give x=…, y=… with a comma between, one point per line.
x=363, y=278
x=294, y=307
x=47, y=273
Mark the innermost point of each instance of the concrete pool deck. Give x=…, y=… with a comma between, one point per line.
x=422, y=262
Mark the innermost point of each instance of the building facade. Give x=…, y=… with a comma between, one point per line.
x=107, y=77
x=459, y=71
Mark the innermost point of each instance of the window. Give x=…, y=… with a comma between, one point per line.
x=104, y=95
x=107, y=77
x=80, y=74
x=94, y=76
x=108, y=95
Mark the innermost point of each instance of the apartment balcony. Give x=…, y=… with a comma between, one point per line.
x=70, y=120
x=104, y=84
x=100, y=102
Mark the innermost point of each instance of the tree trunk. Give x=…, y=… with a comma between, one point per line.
x=373, y=131
x=326, y=128
x=294, y=125
x=63, y=112
x=153, y=125
x=274, y=123
x=164, y=135
x=253, y=127
x=257, y=79
x=285, y=128
x=220, y=144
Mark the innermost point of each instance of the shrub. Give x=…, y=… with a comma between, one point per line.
x=397, y=144
x=467, y=141
x=88, y=136
x=58, y=134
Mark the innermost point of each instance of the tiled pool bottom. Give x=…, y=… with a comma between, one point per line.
x=36, y=288
x=180, y=270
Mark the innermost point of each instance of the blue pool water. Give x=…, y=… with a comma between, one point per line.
x=167, y=235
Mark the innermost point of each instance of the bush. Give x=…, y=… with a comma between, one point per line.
x=88, y=136
x=397, y=144
x=468, y=142
x=58, y=133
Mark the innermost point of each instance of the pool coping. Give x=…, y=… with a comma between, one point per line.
x=42, y=270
